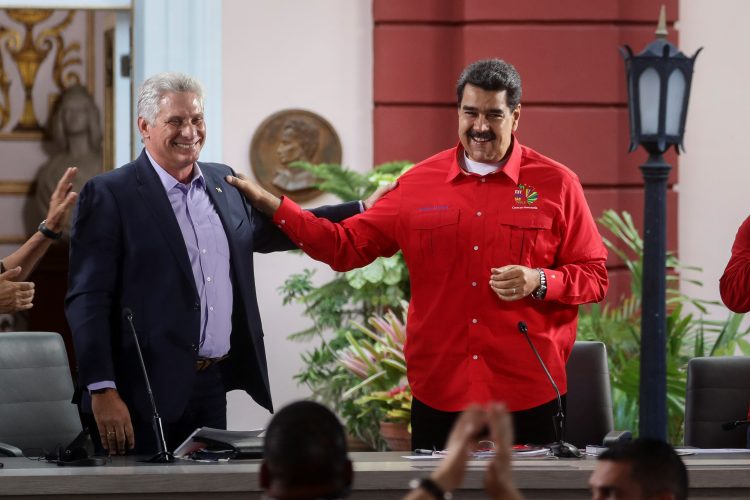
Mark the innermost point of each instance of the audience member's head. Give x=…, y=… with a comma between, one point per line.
x=640, y=469
x=305, y=454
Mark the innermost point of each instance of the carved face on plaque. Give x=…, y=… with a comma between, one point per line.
x=286, y=137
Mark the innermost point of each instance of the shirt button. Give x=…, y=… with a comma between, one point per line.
x=483, y=179
x=301, y=245
x=283, y=221
x=479, y=214
x=474, y=321
x=208, y=279
x=203, y=251
x=476, y=247
x=475, y=357
x=473, y=283
x=210, y=308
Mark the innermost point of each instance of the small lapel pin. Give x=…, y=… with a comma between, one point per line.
x=218, y=189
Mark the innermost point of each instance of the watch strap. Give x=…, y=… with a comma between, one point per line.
x=47, y=232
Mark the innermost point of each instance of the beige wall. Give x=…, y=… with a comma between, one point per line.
x=276, y=57
x=715, y=171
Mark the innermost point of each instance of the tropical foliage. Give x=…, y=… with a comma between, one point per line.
x=689, y=334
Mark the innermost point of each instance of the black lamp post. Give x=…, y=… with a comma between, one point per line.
x=658, y=90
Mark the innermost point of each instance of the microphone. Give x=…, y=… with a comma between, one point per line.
x=560, y=448
x=163, y=455
x=728, y=426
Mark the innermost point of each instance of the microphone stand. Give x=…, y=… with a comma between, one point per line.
x=163, y=455
x=559, y=448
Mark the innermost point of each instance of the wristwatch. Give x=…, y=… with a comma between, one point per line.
x=541, y=291
x=431, y=487
x=47, y=232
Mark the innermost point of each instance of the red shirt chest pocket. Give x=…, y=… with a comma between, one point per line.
x=434, y=234
x=525, y=238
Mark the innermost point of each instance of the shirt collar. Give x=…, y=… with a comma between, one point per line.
x=170, y=182
x=511, y=168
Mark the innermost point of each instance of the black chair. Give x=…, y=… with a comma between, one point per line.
x=589, y=402
x=718, y=391
x=36, y=413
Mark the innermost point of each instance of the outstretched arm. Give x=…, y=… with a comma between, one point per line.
x=62, y=200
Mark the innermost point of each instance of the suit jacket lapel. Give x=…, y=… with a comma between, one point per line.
x=152, y=191
x=216, y=187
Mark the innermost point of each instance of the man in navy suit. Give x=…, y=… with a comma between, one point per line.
x=167, y=238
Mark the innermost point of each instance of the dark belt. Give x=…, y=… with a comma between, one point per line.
x=202, y=364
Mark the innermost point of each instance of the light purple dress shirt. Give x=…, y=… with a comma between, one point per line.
x=208, y=251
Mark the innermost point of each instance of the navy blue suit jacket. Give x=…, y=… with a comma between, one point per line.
x=127, y=251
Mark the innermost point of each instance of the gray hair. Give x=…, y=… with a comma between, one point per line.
x=155, y=87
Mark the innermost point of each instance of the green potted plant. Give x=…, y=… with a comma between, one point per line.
x=378, y=361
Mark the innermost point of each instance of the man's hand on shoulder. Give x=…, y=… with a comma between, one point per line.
x=378, y=193
x=113, y=421
x=256, y=195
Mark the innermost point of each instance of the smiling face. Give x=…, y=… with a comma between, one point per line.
x=177, y=135
x=486, y=123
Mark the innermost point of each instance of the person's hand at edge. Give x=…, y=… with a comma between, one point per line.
x=378, y=193
x=113, y=422
x=15, y=295
x=462, y=441
x=498, y=480
x=256, y=195
x=62, y=200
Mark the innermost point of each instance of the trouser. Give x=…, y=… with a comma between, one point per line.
x=430, y=427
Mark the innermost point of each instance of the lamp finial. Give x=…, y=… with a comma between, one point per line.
x=661, y=28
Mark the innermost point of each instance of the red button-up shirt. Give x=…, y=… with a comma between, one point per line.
x=463, y=343
x=734, y=284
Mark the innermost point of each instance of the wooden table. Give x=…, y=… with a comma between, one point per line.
x=377, y=476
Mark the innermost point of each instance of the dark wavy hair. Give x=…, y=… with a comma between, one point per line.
x=492, y=74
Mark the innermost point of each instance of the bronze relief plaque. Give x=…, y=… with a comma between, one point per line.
x=285, y=137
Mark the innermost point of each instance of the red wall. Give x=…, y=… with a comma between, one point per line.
x=574, y=104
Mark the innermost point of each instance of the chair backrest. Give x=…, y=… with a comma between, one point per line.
x=718, y=391
x=36, y=389
x=588, y=415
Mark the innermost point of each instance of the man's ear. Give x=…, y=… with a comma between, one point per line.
x=265, y=476
x=143, y=126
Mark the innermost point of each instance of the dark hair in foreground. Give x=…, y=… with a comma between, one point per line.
x=655, y=466
x=492, y=74
x=305, y=446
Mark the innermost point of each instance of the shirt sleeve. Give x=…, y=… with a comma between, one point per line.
x=580, y=274
x=734, y=284
x=346, y=245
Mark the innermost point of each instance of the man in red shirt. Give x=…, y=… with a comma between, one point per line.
x=735, y=282
x=493, y=234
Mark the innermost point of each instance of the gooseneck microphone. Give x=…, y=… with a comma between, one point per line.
x=560, y=448
x=163, y=455
x=728, y=426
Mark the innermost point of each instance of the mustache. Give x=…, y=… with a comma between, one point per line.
x=489, y=135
